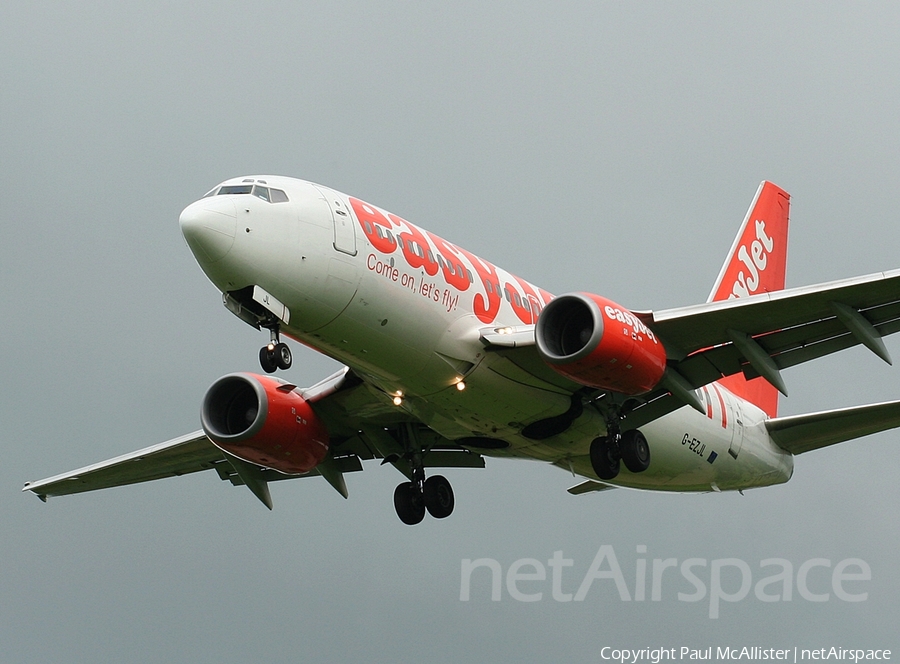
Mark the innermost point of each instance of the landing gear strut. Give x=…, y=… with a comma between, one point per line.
x=412, y=499
x=630, y=447
x=275, y=354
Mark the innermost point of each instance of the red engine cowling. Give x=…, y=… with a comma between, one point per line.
x=262, y=420
x=598, y=343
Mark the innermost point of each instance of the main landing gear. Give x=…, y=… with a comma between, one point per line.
x=276, y=354
x=630, y=447
x=412, y=499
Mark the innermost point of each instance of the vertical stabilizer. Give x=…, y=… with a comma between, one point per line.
x=756, y=264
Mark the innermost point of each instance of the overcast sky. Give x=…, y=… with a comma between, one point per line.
x=604, y=146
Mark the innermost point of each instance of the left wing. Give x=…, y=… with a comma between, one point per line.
x=362, y=427
x=173, y=458
x=179, y=456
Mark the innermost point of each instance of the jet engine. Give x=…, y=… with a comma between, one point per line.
x=598, y=343
x=262, y=420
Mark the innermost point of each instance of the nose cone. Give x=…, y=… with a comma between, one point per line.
x=208, y=225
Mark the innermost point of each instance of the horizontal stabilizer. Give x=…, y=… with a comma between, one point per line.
x=588, y=487
x=801, y=433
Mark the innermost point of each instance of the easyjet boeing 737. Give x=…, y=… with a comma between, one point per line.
x=449, y=358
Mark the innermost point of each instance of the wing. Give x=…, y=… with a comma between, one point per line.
x=360, y=420
x=179, y=456
x=758, y=336
x=788, y=327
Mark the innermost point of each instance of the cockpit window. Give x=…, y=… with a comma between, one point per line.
x=236, y=189
x=211, y=192
x=265, y=193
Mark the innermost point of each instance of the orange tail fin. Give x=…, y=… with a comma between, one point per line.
x=756, y=264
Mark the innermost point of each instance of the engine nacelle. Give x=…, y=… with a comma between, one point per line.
x=598, y=343
x=262, y=420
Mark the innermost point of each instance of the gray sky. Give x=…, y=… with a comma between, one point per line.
x=610, y=147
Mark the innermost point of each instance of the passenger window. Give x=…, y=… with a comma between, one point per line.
x=261, y=192
x=278, y=196
x=385, y=234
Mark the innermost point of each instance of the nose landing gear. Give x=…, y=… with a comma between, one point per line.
x=276, y=354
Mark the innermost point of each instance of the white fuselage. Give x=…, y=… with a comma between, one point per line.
x=407, y=317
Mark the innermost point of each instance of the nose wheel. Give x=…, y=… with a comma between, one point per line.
x=275, y=355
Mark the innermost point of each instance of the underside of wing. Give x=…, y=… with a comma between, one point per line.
x=362, y=425
x=179, y=456
x=801, y=433
x=709, y=341
x=756, y=336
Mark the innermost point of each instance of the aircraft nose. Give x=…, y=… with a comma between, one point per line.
x=208, y=226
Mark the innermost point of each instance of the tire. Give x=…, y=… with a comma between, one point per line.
x=635, y=451
x=603, y=460
x=409, y=503
x=283, y=356
x=267, y=360
x=438, y=496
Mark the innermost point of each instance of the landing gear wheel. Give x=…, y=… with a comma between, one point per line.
x=603, y=458
x=409, y=503
x=635, y=451
x=283, y=356
x=438, y=496
x=267, y=360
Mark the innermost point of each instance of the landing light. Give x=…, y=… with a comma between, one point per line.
x=460, y=386
x=398, y=401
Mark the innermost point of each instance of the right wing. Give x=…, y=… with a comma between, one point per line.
x=790, y=326
x=757, y=336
